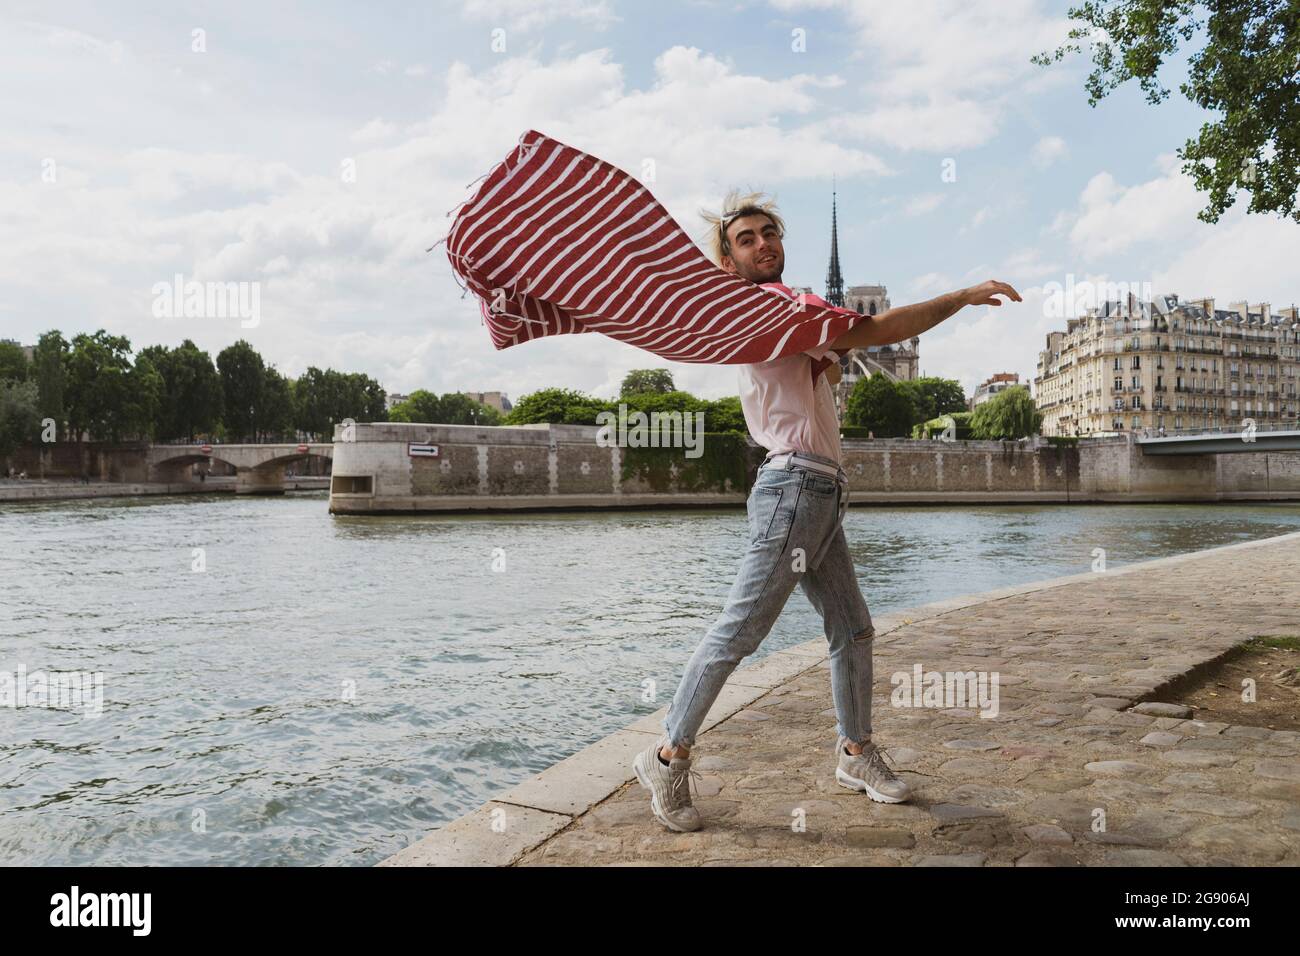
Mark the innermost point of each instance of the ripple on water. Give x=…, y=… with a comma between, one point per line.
x=330, y=689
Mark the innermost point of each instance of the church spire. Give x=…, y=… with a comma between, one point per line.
x=834, y=279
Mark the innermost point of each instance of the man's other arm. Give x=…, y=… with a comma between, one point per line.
x=900, y=324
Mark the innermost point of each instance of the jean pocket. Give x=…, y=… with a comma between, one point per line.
x=764, y=511
x=820, y=485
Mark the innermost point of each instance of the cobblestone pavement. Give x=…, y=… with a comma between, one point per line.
x=1072, y=771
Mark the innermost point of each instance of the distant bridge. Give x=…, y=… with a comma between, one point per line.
x=1271, y=436
x=259, y=469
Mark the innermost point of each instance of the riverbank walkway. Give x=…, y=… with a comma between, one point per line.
x=1074, y=770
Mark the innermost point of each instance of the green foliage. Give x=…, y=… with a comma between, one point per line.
x=106, y=394
x=324, y=398
x=1243, y=67
x=647, y=380
x=419, y=406
x=277, y=404
x=724, y=457
x=882, y=405
x=20, y=419
x=1008, y=415
x=192, y=391
x=453, y=408
x=13, y=362
x=566, y=406
x=933, y=396
x=50, y=371
x=561, y=406
x=144, y=401
x=725, y=415
x=243, y=374
x=935, y=427
x=650, y=402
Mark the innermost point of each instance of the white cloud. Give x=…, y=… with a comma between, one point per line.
x=1047, y=151
x=933, y=122
x=920, y=205
x=527, y=14
x=978, y=342
x=1112, y=218
x=944, y=71
x=1026, y=264
x=931, y=284
x=374, y=131
x=1244, y=257
x=345, y=278
x=62, y=39
x=982, y=215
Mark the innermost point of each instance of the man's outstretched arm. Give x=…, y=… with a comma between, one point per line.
x=900, y=324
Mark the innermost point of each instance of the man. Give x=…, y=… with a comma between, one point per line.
x=796, y=511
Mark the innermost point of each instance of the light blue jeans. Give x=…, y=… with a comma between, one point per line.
x=796, y=536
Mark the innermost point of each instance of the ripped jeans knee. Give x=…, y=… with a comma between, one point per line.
x=865, y=635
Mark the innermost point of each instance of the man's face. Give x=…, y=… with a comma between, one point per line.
x=756, y=250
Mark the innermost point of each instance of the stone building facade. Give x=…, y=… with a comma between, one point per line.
x=1166, y=364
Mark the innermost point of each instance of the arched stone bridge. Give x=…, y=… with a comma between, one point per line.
x=259, y=469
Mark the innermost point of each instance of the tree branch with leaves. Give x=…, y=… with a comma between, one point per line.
x=1247, y=72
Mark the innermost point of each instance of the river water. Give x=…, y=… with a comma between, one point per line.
x=281, y=686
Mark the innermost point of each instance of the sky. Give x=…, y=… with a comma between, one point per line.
x=316, y=150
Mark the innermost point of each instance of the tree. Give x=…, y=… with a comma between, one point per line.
x=725, y=415
x=419, y=406
x=99, y=383
x=458, y=409
x=277, y=410
x=1246, y=71
x=647, y=380
x=558, y=405
x=243, y=378
x=192, y=392
x=50, y=370
x=934, y=396
x=649, y=402
x=882, y=405
x=325, y=397
x=453, y=408
x=20, y=421
x=367, y=399
x=145, y=395
x=1008, y=415
x=13, y=362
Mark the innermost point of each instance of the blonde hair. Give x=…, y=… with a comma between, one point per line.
x=734, y=206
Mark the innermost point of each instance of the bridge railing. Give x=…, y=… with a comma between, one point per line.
x=1264, y=426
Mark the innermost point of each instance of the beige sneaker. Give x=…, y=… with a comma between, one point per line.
x=670, y=788
x=868, y=772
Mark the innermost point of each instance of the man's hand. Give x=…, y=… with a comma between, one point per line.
x=832, y=372
x=983, y=294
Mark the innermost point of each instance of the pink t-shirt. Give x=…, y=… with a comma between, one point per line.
x=785, y=408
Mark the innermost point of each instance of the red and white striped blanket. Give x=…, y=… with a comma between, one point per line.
x=558, y=241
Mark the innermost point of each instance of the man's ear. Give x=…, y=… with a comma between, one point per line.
x=728, y=264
